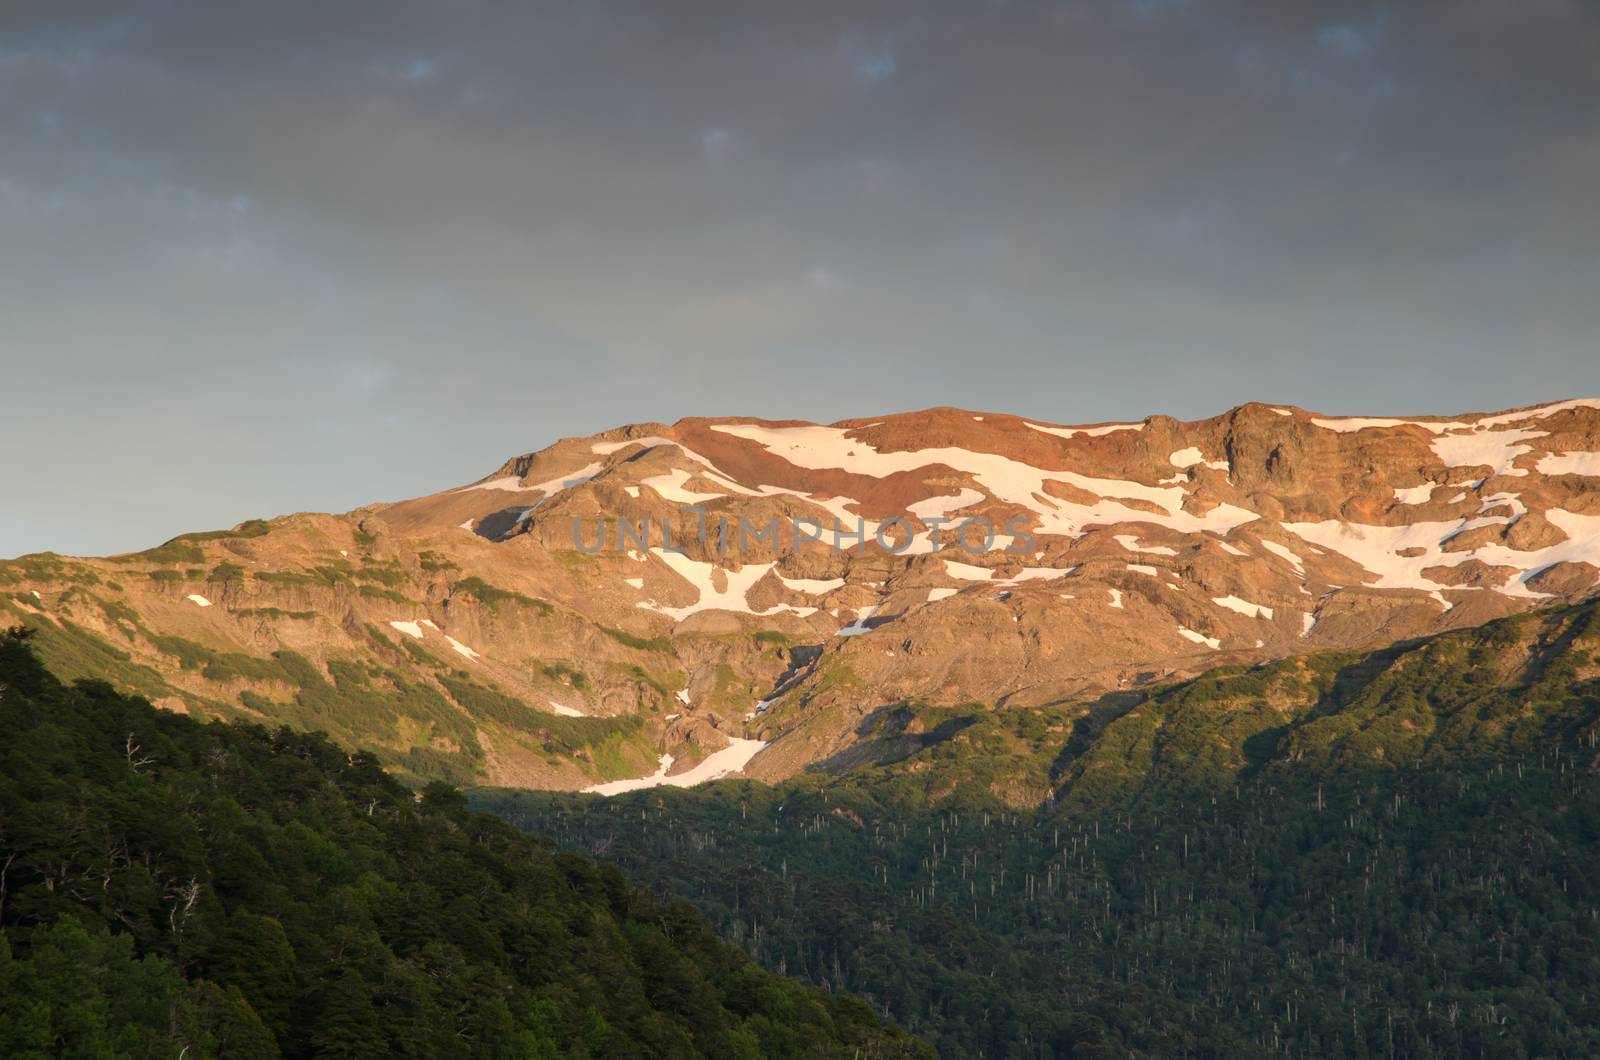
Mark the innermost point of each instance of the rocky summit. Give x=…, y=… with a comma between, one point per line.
x=667, y=604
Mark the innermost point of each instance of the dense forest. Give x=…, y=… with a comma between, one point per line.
x=171, y=889
x=1383, y=855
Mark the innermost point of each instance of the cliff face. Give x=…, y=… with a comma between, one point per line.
x=486, y=632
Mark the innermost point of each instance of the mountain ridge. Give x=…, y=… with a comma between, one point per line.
x=473, y=635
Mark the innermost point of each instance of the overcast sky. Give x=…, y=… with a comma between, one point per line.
x=303, y=255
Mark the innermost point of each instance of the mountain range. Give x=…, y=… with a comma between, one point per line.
x=665, y=604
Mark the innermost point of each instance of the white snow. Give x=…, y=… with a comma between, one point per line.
x=510, y=483
x=1214, y=643
x=967, y=572
x=1186, y=457
x=934, y=507
x=731, y=759
x=1497, y=449
x=461, y=648
x=935, y=595
x=607, y=448
x=1376, y=548
x=1539, y=412
x=1414, y=494
x=670, y=487
x=637, y=583
x=1141, y=568
x=1283, y=552
x=1347, y=424
x=1281, y=412
x=36, y=595
x=1116, y=597
x=736, y=584
x=682, y=696
x=410, y=629
x=566, y=712
x=1232, y=549
x=1307, y=620
x=859, y=626
x=1131, y=543
x=513, y=484
x=1570, y=464
x=632, y=491
x=1244, y=607
x=429, y=623
x=195, y=597
x=827, y=448
x=814, y=586
x=1087, y=432
x=466, y=525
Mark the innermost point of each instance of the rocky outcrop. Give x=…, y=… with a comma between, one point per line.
x=719, y=604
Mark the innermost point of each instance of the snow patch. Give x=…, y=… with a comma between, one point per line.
x=637, y=583
x=935, y=595
x=1087, y=432
x=196, y=598
x=462, y=649
x=1244, y=607
x=1570, y=464
x=967, y=572
x=410, y=629
x=1116, y=597
x=935, y=507
x=731, y=759
x=1131, y=543
x=1497, y=449
x=1283, y=553
x=814, y=586
x=1414, y=494
x=1186, y=457
x=566, y=712
x=1141, y=568
x=859, y=626
x=1214, y=643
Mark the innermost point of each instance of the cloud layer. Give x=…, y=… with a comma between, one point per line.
x=304, y=255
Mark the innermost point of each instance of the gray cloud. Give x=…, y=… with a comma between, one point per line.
x=305, y=255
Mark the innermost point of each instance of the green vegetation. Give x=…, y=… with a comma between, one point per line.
x=492, y=598
x=248, y=529
x=567, y=675
x=382, y=575
x=434, y=561
x=274, y=612
x=45, y=567
x=1343, y=855
x=173, y=552
x=373, y=592
x=662, y=643
x=227, y=574
x=175, y=889
x=557, y=733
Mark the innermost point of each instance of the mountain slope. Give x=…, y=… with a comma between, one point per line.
x=479, y=634
x=1340, y=855
x=171, y=889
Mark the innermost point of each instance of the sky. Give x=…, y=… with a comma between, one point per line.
x=307, y=255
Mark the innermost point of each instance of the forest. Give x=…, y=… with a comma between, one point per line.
x=172, y=889
x=1383, y=855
